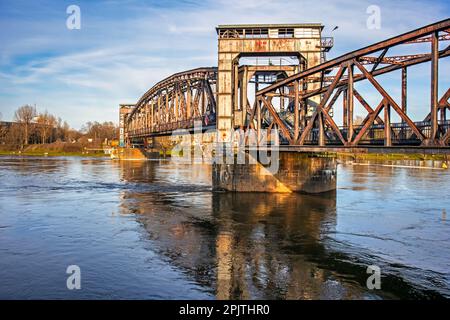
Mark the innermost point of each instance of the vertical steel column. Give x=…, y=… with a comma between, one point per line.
x=159, y=110
x=147, y=118
x=152, y=116
x=244, y=85
x=203, y=98
x=258, y=120
x=188, y=100
x=302, y=114
x=235, y=95
x=350, y=103
x=258, y=111
x=244, y=95
x=166, y=114
x=345, y=109
x=321, y=130
x=177, y=106
x=387, y=125
x=434, y=84
x=296, y=115
x=404, y=90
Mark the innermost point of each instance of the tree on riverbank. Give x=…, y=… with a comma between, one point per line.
x=100, y=131
x=11, y=135
x=3, y=129
x=47, y=123
x=25, y=115
x=31, y=128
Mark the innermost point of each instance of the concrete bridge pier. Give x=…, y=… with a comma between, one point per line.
x=296, y=172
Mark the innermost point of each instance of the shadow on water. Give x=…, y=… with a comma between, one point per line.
x=252, y=245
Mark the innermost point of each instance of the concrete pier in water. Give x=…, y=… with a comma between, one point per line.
x=297, y=172
x=304, y=172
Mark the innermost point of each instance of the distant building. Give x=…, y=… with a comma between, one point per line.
x=124, y=110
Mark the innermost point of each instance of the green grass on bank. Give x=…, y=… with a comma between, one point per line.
x=38, y=153
x=342, y=155
x=393, y=156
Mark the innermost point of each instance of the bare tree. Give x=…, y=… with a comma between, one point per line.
x=46, y=122
x=3, y=130
x=101, y=131
x=73, y=135
x=66, y=131
x=25, y=115
x=14, y=135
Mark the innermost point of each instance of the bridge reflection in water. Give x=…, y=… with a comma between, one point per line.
x=241, y=245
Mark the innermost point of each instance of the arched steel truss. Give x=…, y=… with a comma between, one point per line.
x=175, y=103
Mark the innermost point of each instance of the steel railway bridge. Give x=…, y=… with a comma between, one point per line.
x=307, y=99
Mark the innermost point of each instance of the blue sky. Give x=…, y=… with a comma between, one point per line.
x=124, y=47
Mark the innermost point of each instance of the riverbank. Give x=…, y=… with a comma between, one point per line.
x=393, y=156
x=56, y=149
x=45, y=150
x=412, y=160
x=53, y=154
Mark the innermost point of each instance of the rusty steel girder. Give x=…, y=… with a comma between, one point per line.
x=174, y=103
x=314, y=110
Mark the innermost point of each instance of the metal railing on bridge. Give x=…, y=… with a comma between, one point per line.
x=401, y=134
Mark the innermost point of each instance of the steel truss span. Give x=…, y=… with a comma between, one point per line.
x=314, y=111
x=175, y=103
x=317, y=126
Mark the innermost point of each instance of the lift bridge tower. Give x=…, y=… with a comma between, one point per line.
x=303, y=41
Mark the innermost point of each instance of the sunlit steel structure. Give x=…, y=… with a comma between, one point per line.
x=300, y=101
x=337, y=78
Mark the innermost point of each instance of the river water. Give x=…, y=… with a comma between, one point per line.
x=155, y=230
